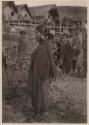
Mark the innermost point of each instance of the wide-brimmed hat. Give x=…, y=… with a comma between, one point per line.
x=40, y=29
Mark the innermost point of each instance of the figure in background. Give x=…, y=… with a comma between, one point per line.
x=66, y=53
x=78, y=51
x=84, y=37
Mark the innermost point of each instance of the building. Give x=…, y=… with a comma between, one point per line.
x=39, y=13
x=24, y=14
x=62, y=18
x=71, y=17
x=42, y=13
x=73, y=12
x=9, y=12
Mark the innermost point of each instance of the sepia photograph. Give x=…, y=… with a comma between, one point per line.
x=44, y=61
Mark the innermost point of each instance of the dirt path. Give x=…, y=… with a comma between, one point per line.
x=68, y=106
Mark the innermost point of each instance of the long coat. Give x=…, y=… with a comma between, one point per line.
x=66, y=52
x=42, y=68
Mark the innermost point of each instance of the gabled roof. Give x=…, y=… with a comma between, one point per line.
x=41, y=10
x=19, y=7
x=76, y=12
x=10, y=4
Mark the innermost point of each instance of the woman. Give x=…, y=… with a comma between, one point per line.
x=42, y=69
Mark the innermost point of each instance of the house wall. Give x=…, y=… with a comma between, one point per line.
x=40, y=13
x=24, y=14
x=9, y=14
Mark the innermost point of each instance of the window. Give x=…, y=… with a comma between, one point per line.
x=25, y=15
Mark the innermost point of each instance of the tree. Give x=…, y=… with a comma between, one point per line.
x=55, y=15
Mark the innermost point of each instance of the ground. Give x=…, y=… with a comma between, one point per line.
x=69, y=99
